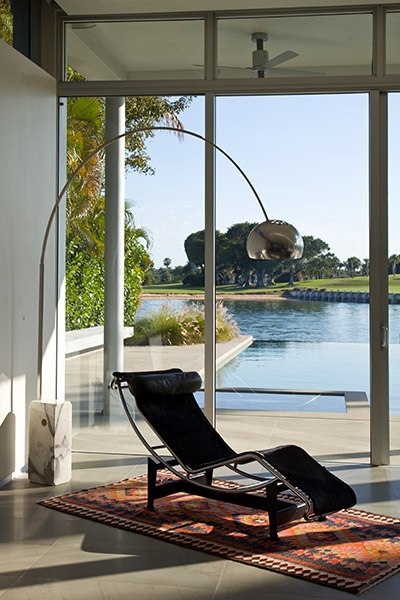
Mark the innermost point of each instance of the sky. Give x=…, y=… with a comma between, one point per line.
x=307, y=157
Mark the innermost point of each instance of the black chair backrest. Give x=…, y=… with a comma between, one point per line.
x=166, y=401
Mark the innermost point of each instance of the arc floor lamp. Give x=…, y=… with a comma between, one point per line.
x=50, y=422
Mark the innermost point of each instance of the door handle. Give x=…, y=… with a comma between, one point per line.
x=384, y=336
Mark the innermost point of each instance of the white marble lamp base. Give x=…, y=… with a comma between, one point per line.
x=50, y=440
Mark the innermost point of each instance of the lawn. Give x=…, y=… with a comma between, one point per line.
x=171, y=288
x=353, y=284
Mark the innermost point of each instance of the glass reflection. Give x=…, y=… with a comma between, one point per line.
x=393, y=43
x=136, y=50
x=301, y=46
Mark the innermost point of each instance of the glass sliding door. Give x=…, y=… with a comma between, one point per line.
x=84, y=262
x=163, y=265
x=394, y=275
x=169, y=208
x=301, y=361
x=300, y=327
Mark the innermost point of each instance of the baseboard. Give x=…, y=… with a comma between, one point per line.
x=13, y=476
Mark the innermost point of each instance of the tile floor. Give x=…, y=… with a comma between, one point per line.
x=50, y=555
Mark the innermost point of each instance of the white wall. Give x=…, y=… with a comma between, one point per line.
x=28, y=152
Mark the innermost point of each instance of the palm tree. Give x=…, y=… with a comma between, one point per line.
x=86, y=203
x=365, y=267
x=145, y=111
x=394, y=260
x=352, y=265
x=85, y=207
x=85, y=131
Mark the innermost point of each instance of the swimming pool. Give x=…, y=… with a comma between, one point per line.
x=240, y=399
x=303, y=345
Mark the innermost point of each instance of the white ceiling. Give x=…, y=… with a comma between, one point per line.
x=100, y=7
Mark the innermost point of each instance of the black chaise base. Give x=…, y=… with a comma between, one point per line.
x=279, y=511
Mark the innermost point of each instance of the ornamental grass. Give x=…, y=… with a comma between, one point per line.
x=183, y=327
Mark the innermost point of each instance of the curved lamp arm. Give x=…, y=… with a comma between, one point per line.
x=128, y=134
x=261, y=237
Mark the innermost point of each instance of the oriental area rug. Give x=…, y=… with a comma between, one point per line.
x=350, y=551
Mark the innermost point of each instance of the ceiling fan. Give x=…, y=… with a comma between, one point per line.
x=262, y=64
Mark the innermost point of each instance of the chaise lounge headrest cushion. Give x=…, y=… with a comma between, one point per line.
x=167, y=384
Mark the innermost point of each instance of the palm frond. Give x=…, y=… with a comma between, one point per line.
x=6, y=22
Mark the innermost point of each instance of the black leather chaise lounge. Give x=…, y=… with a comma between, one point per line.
x=166, y=402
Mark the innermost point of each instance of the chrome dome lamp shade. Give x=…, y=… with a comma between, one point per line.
x=274, y=240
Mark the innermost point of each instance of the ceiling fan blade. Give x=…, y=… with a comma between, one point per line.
x=237, y=68
x=296, y=73
x=228, y=67
x=277, y=60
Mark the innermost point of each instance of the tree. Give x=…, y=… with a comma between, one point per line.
x=394, y=260
x=145, y=111
x=195, y=251
x=194, y=248
x=85, y=206
x=86, y=202
x=234, y=265
x=85, y=275
x=313, y=246
x=352, y=265
x=243, y=267
x=137, y=263
x=6, y=22
x=365, y=267
x=332, y=264
x=232, y=260
x=166, y=275
x=233, y=256
x=317, y=261
x=86, y=131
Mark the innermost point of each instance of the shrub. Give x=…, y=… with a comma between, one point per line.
x=194, y=279
x=168, y=327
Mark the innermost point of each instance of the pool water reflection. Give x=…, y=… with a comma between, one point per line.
x=276, y=402
x=303, y=345
x=299, y=365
